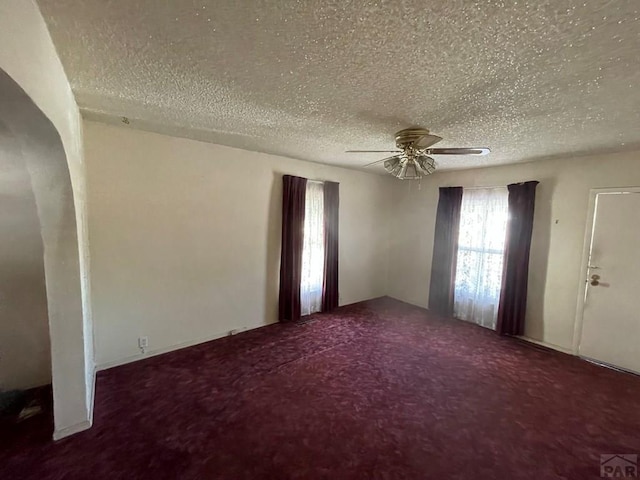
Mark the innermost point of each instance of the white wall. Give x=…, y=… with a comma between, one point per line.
x=28, y=56
x=185, y=237
x=25, y=353
x=558, y=234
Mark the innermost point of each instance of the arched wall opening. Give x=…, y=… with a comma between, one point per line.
x=33, y=143
x=25, y=347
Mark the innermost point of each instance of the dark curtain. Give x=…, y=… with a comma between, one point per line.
x=515, y=273
x=293, y=200
x=330, y=295
x=445, y=251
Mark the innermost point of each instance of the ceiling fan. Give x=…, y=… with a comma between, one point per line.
x=412, y=157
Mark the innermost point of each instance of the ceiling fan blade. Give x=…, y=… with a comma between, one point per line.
x=372, y=151
x=457, y=151
x=380, y=161
x=426, y=141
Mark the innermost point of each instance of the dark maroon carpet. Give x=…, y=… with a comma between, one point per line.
x=375, y=390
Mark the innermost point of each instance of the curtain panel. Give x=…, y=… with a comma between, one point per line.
x=515, y=273
x=330, y=290
x=293, y=209
x=313, y=256
x=445, y=251
x=478, y=280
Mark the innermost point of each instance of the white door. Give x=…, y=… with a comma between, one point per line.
x=611, y=317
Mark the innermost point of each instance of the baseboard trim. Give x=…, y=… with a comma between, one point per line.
x=173, y=348
x=92, y=397
x=550, y=346
x=524, y=338
x=610, y=366
x=72, y=430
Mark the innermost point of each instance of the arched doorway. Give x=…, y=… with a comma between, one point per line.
x=33, y=163
x=25, y=347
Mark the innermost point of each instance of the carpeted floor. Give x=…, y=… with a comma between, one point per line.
x=377, y=390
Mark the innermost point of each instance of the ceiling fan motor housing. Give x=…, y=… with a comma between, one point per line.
x=408, y=136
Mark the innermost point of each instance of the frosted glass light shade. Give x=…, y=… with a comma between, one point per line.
x=410, y=168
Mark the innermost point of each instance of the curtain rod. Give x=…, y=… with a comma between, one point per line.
x=480, y=187
x=490, y=187
x=321, y=181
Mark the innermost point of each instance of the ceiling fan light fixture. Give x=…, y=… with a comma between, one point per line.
x=409, y=171
x=393, y=166
x=426, y=164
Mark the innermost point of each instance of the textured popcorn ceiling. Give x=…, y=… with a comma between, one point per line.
x=310, y=79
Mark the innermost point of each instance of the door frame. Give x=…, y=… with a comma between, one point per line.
x=586, y=250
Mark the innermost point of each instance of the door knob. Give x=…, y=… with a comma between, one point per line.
x=595, y=280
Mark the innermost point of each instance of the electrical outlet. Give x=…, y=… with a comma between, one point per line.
x=143, y=342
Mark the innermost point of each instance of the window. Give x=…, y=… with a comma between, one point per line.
x=313, y=249
x=478, y=280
